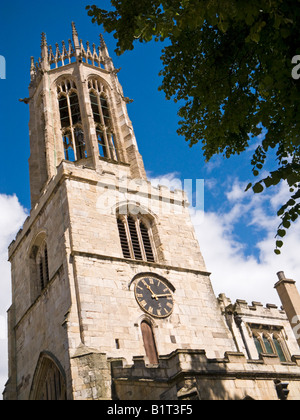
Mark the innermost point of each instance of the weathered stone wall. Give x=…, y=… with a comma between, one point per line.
x=36, y=323
x=256, y=314
x=190, y=374
x=91, y=375
x=45, y=128
x=108, y=309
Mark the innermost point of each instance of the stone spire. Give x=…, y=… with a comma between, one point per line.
x=108, y=63
x=44, y=53
x=75, y=40
x=103, y=47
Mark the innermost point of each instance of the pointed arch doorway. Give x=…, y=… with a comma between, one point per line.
x=49, y=381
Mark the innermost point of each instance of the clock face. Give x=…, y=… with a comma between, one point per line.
x=154, y=297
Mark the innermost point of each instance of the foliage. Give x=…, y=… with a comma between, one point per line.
x=229, y=62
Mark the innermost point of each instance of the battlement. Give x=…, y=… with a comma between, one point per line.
x=189, y=374
x=256, y=309
x=196, y=361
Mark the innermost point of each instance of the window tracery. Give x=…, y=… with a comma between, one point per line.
x=49, y=381
x=70, y=118
x=103, y=120
x=270, y=340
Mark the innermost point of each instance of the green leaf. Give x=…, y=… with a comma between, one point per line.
x=279, y=244
x=291, y=202
x=280, y=211
x=281, y=233
x=258, y=188
x=268, y=182
x=248, y=186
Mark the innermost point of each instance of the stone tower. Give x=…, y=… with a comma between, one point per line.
x=111, y=298
x=106, y=266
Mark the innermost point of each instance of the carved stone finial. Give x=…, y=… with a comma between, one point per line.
x=75, y=40
x=74, y=29
x=102, y=42
x=44, y=49
x=44, y=40
x=103, y=47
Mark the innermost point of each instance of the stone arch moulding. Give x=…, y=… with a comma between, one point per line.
x=138, y=209
x=65, y=76
x=36, y=242
x=49, y=379
x=101, y=80
x=145, y=274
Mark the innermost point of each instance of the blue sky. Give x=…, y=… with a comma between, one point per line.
x=237, y=232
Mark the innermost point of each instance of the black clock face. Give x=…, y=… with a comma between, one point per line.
x=154, y=297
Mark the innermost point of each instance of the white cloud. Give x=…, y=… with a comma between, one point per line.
x=241, y=276
x=214, y=163
x=245, y=275
x=12, y=217
x=170, y=180
x=237, y=191
x=250, y=277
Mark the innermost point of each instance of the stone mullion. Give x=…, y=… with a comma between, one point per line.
x=140, y=238
x=127, y=230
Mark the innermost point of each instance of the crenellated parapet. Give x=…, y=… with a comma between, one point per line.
x=190, y=374
x=255, y=309
x=259, y=330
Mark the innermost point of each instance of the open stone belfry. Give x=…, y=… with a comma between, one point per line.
x=111, y=298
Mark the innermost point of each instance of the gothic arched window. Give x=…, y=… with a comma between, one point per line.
x=39, y=265
x=136, y=237
x=49, y=381
x=70, y=118
x=103, y=121
x=267, y=344
x=268, y=341
x=279, y=348
x=258, y=343
x=42, y=265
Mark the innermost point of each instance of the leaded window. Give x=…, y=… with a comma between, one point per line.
x=103, y=120
x=279, y=348
x=71, y=124
x=270, y=340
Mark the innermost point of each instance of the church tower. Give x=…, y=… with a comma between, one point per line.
x=106, y=266
x=107, y=273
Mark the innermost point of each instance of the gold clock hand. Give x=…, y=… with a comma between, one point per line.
x=168, y=294
x=153, y=294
